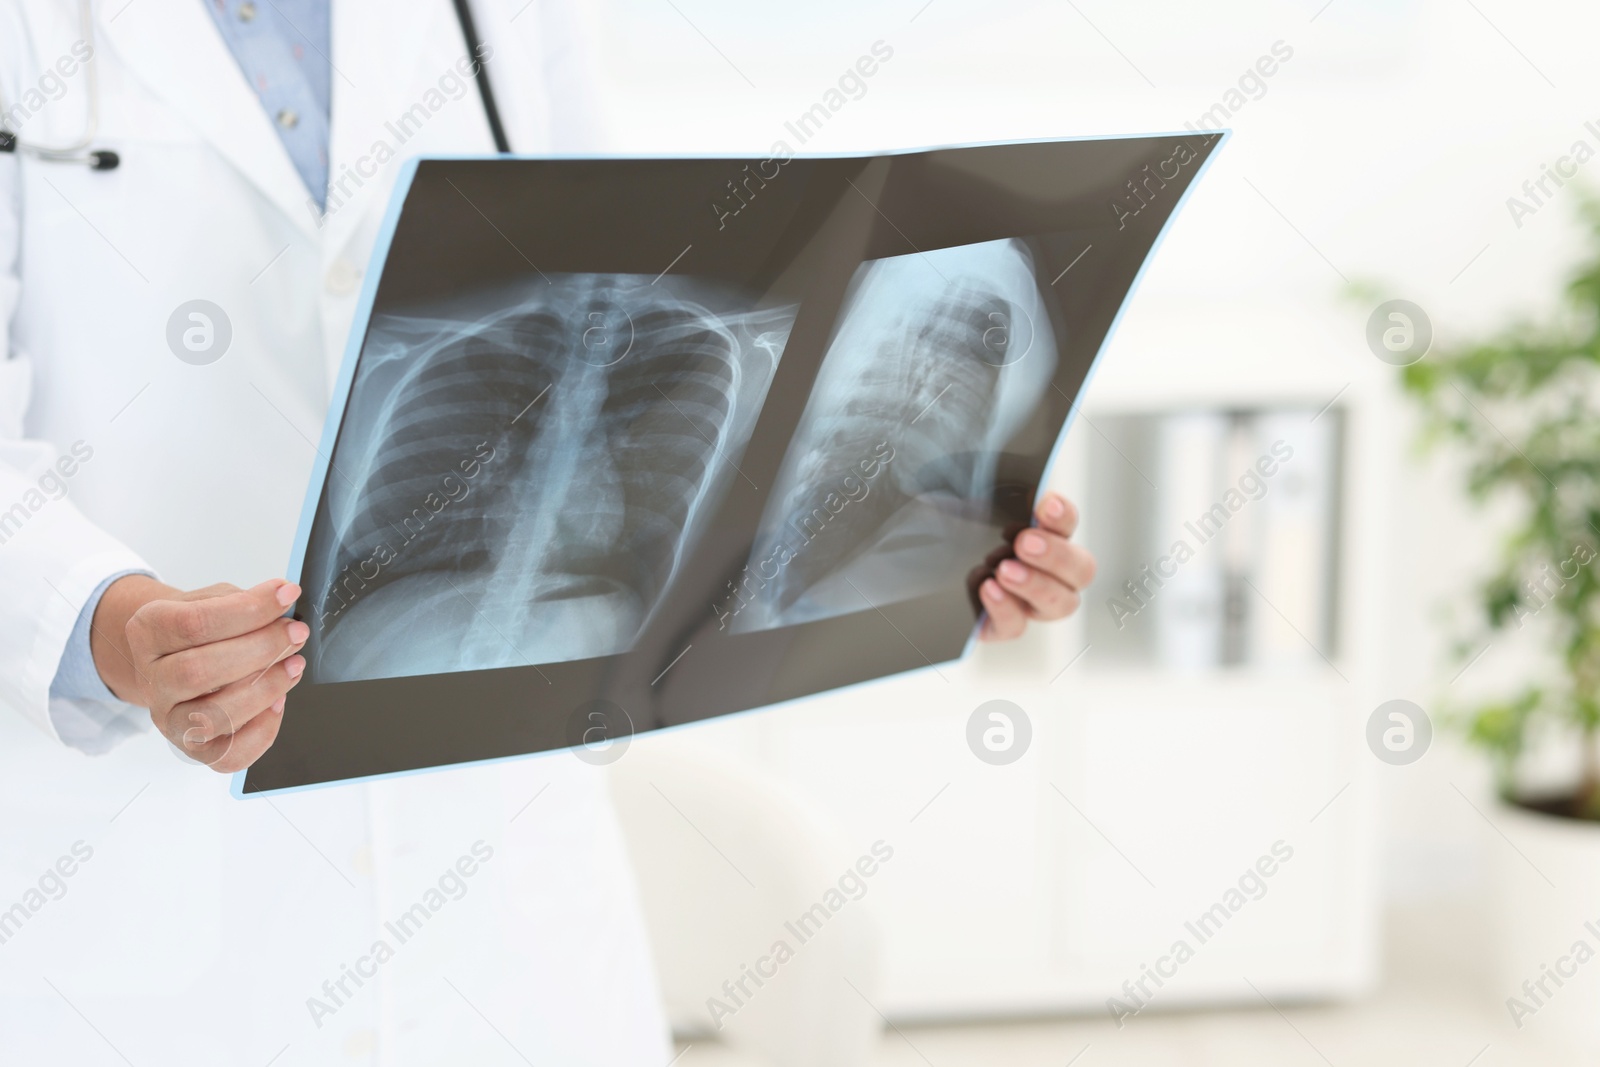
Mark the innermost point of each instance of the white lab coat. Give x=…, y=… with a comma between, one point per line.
x=199, y=928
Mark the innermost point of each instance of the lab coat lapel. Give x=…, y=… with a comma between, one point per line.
x=396, y=64
x=175, y=49
x=387, y=104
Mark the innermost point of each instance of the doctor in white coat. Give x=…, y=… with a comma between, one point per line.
x=481, y=915
x=145, y=915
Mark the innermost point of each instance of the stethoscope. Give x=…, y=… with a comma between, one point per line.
x=104, y=159
x=78, y=151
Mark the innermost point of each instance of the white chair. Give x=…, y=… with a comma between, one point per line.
x=724, y=860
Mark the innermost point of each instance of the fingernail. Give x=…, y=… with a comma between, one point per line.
x=1012, y=571
x=990, y=591
x=1031, y=544
x=298, y=632
x=194, y=735
x=288, y=593
x=1054, y=507
x=277, y=705
x=294, y=665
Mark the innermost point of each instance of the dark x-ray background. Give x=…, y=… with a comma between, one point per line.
x=888, y=345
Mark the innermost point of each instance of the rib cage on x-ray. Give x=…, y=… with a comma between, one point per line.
x=465, y=395
x=524, y=480
x=936, y=360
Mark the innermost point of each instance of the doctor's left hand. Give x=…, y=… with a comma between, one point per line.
x=1039, y=575
x=213, y=665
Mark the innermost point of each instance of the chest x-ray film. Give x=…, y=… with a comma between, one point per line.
x=622, y=444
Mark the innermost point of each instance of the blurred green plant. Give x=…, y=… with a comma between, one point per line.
x=1523, y=408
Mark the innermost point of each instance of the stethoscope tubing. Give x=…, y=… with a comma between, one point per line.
x=77, y=151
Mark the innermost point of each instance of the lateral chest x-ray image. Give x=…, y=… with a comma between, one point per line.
x=884, y=494
x=604, y=442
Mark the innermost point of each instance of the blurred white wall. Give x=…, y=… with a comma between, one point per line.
x=1383, y=151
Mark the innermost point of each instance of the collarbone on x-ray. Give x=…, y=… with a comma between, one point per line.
x=519, y=474
x=887, y=488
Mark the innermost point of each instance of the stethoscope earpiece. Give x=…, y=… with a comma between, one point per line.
x=104, y=159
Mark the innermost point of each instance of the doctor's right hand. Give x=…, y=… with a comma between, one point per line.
x=213, y=665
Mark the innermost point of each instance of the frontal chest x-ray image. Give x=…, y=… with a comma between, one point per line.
x=523, y=471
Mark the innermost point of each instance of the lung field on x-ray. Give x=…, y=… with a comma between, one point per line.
x=886, y=490
x=519, y=475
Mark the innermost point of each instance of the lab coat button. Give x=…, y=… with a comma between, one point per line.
x=288, y=118
x=247, y=11
x=344, y=278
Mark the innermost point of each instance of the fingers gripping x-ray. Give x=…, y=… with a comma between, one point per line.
x=516, y=485
x=885, y=492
